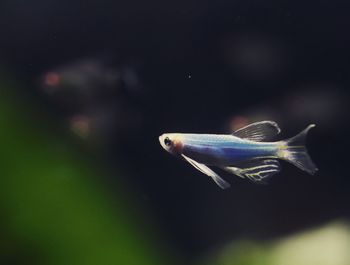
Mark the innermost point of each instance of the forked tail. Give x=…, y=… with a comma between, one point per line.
x=294, y=151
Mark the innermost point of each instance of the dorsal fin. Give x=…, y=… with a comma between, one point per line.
x=258, y=131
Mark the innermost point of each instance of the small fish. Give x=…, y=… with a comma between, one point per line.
x=247, y=152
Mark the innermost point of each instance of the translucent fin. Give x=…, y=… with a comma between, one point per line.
x=258, y=131
x=259, y=171
x=294, y=151
x=234, y=170
x=207, y=171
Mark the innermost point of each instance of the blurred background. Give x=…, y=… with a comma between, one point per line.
x=88, y=86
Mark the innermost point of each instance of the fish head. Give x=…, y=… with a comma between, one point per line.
x=172, y=143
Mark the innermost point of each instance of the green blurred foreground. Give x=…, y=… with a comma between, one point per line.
x=53, y=209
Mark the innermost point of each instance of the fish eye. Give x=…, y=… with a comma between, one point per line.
x=167, y=141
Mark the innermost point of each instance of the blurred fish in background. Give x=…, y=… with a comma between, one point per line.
x=256, y=56
x=322, y=104
x=98, y=101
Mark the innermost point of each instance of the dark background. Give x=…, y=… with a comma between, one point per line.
x=193, y=66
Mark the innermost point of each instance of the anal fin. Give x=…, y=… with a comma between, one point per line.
x=259, y=171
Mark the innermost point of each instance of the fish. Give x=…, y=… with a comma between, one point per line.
x=248, y=152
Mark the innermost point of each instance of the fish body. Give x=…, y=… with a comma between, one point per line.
x=247, y=152
x=224, y=150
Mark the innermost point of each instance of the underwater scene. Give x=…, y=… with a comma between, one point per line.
x=174, y=132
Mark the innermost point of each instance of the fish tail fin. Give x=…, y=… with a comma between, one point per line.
x=294, y=151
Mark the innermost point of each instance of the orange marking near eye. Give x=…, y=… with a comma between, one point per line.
x=177, y=145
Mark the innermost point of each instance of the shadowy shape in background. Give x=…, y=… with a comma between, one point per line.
x=99, y=101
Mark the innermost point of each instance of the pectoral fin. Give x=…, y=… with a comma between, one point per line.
x=258, y=131
x=207, y=171
x=259, y=171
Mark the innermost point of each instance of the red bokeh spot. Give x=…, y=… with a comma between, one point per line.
x=238, y=122
x=52, y=79
x=80, y=125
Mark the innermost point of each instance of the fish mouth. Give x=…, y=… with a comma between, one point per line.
x=161, y=141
